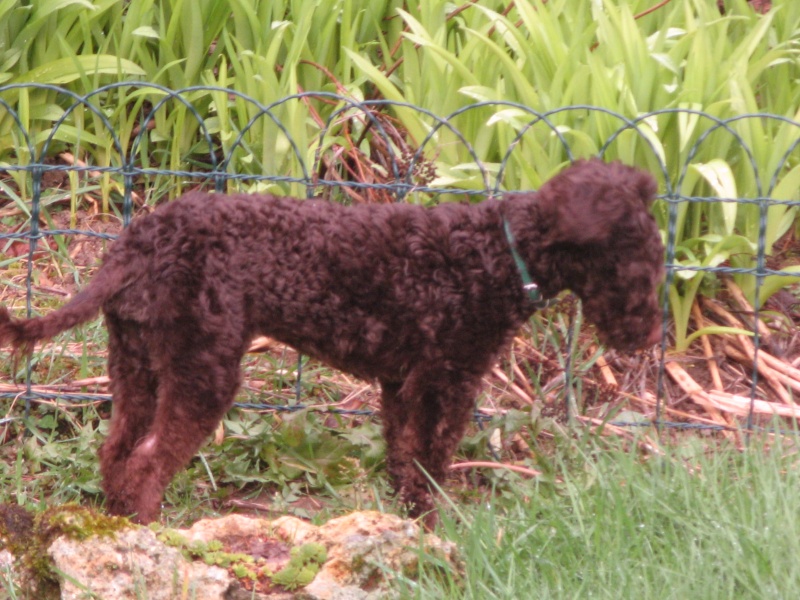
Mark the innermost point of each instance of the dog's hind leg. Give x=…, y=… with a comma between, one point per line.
x=134, y=388
x=424, y=420
x=198, y=379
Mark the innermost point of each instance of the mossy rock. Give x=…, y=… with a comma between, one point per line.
x=27, y=535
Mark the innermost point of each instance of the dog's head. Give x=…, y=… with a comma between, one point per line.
x=611, y=248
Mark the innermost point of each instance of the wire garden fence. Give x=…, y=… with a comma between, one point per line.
x=729, y=186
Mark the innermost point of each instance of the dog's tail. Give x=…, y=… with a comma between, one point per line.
x=22, y=334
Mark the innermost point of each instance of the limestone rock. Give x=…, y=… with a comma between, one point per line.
x=364, y=547
x=355, y=557
x=133, y=564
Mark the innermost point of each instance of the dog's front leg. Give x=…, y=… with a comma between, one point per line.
x=424, y=420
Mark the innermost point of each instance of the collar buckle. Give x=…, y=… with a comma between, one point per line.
x=532, y=289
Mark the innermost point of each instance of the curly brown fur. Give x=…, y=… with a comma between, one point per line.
x=421, y=300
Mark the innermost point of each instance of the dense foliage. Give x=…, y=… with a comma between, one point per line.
x=675, y=72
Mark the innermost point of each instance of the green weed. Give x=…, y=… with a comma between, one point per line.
x=694, y=523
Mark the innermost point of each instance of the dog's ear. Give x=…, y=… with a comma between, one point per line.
x=591, y=201
x=645, y=185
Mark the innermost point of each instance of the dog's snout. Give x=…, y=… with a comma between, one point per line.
x=654, y=337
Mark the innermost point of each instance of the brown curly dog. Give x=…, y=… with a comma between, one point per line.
x=420, y=299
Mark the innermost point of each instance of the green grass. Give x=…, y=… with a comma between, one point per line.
x=697, y=523
x=606, y=520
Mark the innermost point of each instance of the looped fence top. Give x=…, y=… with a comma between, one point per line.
x=739, y=174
